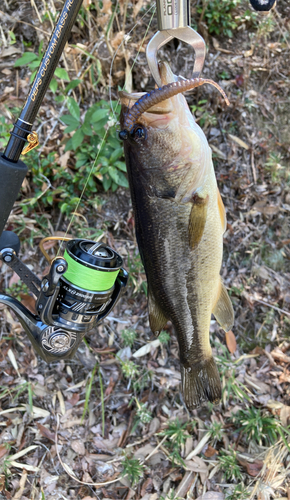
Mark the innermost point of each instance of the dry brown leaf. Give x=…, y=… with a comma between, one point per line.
x=117, y=40
x=29, y=302
x=78, y=446
x=239, y=141
x=74, y=399
x=45, y=432
x=210, y=451
x=185, y=484
x=18, y=494
x=2, y=482
x=137, y=7
x=147, y=487
x=263, y=208
x=253, y=469
x=14, y=279
x=107, y=7
x=231, y=341
x=3, y=450
x=280, y=355
x=63, y=159
x=285, y=415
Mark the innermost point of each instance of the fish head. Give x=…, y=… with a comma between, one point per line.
x=163, y=135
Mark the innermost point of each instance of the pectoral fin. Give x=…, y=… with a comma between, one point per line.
x=157, y=319
x=197, y=220
x=223, y=310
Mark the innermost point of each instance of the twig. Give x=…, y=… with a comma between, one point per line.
x=65, y=467
x=155, y=449
x=282, y=311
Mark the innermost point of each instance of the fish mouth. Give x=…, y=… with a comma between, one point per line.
x=160, y=114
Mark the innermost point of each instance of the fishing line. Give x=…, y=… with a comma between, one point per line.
x=114, y=114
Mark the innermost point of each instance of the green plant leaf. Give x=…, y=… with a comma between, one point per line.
x=86, y=128
x=114, y=174
x=73, y=108
x=121, y=165
x=53, y=85
x=62, y=73
x=72, y=85
x=69, y=120
x=122, y=180
x=77, y=139
x=99, y=115
x=107, y=182
x=116, y=154
x=27, y=58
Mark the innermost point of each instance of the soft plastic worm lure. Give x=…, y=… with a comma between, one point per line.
x=161, y=94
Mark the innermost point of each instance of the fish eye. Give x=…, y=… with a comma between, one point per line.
x=138, y=132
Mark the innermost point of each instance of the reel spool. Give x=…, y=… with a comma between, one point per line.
x=79, y=291
x=86, y=288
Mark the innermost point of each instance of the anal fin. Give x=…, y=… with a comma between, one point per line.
x=197, y=220
x=223, y=309
x=157, y=319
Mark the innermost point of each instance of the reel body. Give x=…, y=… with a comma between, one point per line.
x=79, y=292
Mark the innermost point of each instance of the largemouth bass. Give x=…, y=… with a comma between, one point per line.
x=180, y=220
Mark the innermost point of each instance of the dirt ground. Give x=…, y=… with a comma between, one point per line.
x=69, y=426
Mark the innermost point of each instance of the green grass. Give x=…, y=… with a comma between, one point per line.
x=259, y=426
x=133, y=468
x=227, y=461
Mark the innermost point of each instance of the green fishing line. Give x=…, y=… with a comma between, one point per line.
x=88, y=278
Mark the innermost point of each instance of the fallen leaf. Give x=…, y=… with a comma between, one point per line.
x=22, y=453
x=212, y=495
x=185, y=484
x=145, y=349
x=62, y=161
x=110, y=387
x=45, y=432
x=231, y=341
x=285, y=415
x=239, y=141
x=278, y=354
x=78, y=446
x=107, y=7
x=137, y=7
x=18, y=494
x=74, y=399
x=147, y=487
x=14, y=279
x=3, y=450
x=253, y=469
x=29, y=302
x=210, y=452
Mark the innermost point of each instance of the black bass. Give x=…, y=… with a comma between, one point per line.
x=180, y=220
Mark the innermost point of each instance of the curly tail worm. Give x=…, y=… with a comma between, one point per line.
x=161, y=94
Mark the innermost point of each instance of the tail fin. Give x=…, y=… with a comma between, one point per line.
x=200, y=383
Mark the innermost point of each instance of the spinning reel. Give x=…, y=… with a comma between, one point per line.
x=79, y=291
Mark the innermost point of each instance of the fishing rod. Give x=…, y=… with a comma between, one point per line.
x=82, y=287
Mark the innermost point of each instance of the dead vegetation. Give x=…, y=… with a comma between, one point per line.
x=114, y=414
